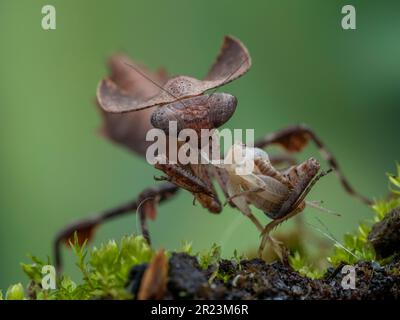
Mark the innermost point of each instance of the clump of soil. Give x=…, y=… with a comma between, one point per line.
x=385, y=235
x=256, y=279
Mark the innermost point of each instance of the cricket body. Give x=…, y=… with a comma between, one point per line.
x=280, y=195
x=133, y=100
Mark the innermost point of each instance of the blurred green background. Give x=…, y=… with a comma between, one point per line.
x=54, y=168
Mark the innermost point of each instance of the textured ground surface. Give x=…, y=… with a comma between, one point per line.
x=255, y=279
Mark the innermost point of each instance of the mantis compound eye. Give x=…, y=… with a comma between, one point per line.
x=201, y=112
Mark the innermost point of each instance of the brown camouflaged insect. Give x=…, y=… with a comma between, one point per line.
x=133, y=100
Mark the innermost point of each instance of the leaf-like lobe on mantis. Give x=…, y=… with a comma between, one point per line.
x=232, y=62
x=129, y=130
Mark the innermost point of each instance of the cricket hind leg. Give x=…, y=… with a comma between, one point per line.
x=145, y=204
x=295, y=138
x=305, y=177
x=277, y=246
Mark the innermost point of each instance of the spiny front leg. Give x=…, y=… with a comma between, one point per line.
x=206, y=174
x=183, y=178
x=195, y=180
x=295, y=138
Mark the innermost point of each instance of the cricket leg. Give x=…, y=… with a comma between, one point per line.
x=265, y=234
x=295, y=138
x=183, y=177
x=242, y=205
x=145, y=203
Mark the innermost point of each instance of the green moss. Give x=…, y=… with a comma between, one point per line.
x=356, y=246
x=394, y=181
x=186, y=248
x=305, y=267
x=209, y=257
x=15, y=292
x=104, y=272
